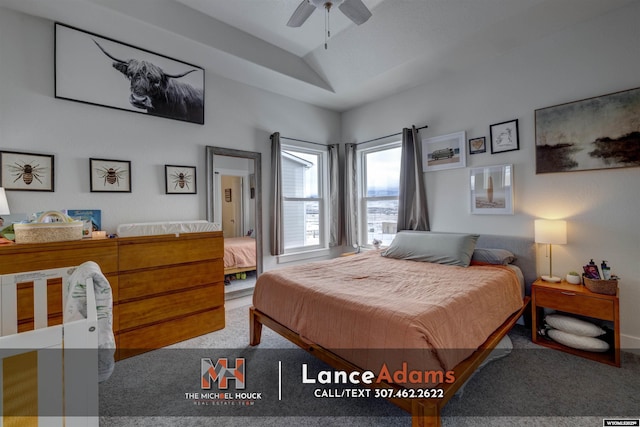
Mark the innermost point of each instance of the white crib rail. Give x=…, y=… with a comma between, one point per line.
x=69, y=378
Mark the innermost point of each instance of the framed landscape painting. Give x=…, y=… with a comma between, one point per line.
x=97, y=70
x=595, y=133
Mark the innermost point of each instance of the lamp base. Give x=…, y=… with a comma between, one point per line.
x=553, y=279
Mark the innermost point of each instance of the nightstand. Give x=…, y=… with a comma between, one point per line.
x=575, y=299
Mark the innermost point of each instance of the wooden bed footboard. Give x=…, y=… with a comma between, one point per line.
x=424, y=412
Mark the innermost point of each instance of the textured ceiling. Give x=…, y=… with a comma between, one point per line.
x=404, y=44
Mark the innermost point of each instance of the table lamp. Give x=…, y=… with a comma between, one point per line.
x=4, y=204
x=550, y=232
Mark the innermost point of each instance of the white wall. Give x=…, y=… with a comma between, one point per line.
x=601, y=207
x=33, y=120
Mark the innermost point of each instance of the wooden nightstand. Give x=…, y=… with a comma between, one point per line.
x=575, y=299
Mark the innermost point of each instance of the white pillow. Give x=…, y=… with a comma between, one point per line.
x=576, y=341
x=573, y=326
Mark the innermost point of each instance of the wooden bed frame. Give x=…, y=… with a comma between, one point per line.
x=235, y=270
x=424, y=412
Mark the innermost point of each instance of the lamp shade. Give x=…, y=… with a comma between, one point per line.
x=4, y=205
x=553, y=232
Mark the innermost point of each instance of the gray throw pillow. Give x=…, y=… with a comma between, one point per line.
x=439, y=248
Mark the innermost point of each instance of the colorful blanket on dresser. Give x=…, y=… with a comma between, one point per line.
x=75, y=308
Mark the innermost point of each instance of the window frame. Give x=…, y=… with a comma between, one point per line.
x=361, y=180
x=322, y=199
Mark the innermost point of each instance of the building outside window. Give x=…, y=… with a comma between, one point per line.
x=304, y=194
x=379, y=184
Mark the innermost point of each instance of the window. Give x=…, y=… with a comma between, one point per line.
x=304, y=207
x=379, y=174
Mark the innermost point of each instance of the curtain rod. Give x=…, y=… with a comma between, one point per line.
x=357, y=143
x=302, y=140
x=387, y=136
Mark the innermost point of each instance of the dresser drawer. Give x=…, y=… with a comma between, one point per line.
x=136, y=253
x=170, y=306
x=162, y=334
x=146, y=283
x=576, y=303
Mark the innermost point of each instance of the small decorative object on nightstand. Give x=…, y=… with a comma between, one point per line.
x=576, y=299
x=574, y=278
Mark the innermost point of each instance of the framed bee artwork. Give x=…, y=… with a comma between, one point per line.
x=110, y=176
x=180, y=179
x=26, y=171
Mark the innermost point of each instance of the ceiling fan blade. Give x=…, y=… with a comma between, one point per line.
x=302, y=13
x=356, y=11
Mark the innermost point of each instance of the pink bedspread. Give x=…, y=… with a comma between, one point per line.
x=370, y=309
x=239, y=252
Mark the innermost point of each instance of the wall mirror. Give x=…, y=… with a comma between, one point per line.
x=234, y=200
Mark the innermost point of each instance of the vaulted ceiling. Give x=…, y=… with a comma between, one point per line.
x=404, y=44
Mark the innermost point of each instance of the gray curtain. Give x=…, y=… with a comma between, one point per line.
x=351, y=196
x=335, y=219
x=277, y=235
x=412, y=199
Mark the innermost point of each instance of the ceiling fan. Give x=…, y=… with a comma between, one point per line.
x=353, y=9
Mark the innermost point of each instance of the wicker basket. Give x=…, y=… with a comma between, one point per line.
x=607, y=287
x=44, y=232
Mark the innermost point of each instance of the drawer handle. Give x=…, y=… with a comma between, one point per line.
x=568, y=293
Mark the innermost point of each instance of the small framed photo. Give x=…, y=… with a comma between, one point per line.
x=26, y=171
x=444, y=152
x=110, y=176
x=492, y=190
x=478, y=145
x=180, y=179
x=504, y=137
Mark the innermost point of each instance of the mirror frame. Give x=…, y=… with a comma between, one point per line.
x=256, y=157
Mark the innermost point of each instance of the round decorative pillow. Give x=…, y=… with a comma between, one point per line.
x=576, y=341
x=573, y=326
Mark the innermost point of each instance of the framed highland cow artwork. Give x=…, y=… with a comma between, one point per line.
x=101, y=71
x=595, y=133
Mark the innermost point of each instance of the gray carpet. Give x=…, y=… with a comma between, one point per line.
x=533, y=386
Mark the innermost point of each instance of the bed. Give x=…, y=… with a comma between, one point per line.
x=239, y=254
x=418, y=305
x=43, y=356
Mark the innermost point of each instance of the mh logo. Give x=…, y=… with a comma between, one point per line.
x=222, y=373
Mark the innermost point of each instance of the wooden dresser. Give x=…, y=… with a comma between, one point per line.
x=166, y=288
x=169, y=289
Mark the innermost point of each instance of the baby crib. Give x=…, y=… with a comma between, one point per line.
x=49, y=366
